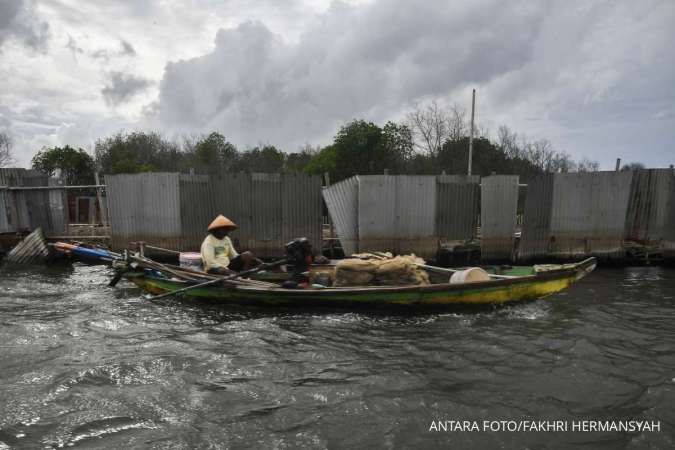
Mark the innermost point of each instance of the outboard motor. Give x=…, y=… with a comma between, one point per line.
x=299, y=256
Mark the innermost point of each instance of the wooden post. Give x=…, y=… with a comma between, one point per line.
x=473, y=108
x=618, y=164
x=386, y=171
x=99, y=197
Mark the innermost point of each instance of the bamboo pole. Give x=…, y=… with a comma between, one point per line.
x=49, y=188
x=222, y=280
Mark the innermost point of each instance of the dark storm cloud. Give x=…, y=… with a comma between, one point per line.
x=565, y=65
x=122, y=87
x=356, y=61
x=18, y=21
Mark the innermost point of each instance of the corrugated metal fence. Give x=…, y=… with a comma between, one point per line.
x=457, y=206
x=576, y=214
x=144, y=207
x=342, y=201
x=499, y=202
x=172, y=210
x=647, y=205
x=668, y=241
x=401, y=213
x=22, y=210
x=566, y=215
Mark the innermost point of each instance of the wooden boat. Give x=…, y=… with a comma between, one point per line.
x=516, y=284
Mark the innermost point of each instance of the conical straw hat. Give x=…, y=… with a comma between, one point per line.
x=222, y=222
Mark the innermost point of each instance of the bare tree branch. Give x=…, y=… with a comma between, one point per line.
x=6, y=157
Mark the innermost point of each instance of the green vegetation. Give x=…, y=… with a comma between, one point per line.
x=76, y=166
x=430, y=141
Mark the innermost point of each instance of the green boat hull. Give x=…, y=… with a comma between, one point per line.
x=521, y=288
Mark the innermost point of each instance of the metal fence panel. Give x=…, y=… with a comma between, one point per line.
x=265, y=238
x=35, y=204
x=535, y=238
x=668, y=242
x=647, y=204
x=58, y=208
x=415, y=215
x=269, y=209
x=589, y=213
x=197, y=209
x=377, y=213
x=28, y=210
x=342, y=202
x=144, y=207
x=457, y=206
x=499, y=202
x=302, y=208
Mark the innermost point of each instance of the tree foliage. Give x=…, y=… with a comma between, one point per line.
x=431, y=140
x=76, y=165
x=137, y=152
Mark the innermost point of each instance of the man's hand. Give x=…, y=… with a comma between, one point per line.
x=221, y=271
x=225, y=271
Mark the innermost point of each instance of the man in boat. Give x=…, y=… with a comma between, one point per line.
x=218, y=253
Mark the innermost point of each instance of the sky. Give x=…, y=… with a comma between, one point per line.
x=596, y=78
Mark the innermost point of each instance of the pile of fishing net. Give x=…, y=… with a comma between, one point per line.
x=381, y=269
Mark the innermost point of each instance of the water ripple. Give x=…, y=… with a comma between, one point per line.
x=90, y=366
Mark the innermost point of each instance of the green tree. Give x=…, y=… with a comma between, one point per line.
x=138, y=152
x=77, y=166
x=631, y=166
x=267, y=159
x=214, y=154
x=398, y=145
x=325, y=160
x=297, y=162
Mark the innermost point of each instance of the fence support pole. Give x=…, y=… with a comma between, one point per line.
x=473, y=108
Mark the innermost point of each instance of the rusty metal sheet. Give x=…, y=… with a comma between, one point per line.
x=499, y=202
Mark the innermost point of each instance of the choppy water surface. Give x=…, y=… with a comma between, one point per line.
x=85, y=365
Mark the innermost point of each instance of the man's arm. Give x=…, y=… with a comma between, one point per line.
x=233, y=252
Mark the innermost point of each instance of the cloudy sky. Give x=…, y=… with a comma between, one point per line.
x=596, y=78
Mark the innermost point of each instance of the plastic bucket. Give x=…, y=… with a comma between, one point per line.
x=190, y=260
